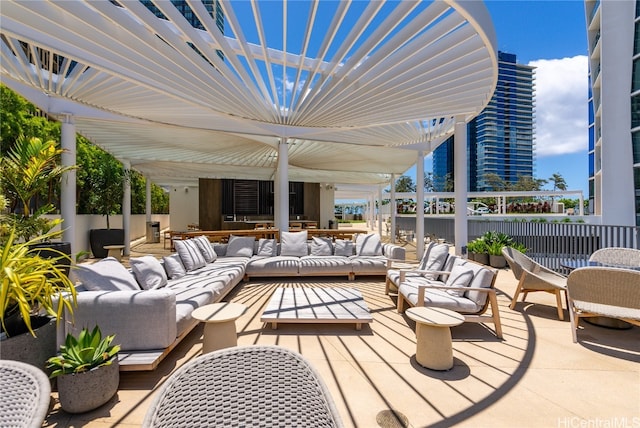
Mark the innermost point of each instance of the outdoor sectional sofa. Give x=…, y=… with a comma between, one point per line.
x=149, y=306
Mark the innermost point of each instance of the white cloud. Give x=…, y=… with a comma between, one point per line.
x=561, y=105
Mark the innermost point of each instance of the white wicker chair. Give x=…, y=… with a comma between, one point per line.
x=26, y=391
x=603, y=291
x=252, y=386
x=616, y=256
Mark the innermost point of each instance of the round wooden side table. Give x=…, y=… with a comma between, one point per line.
x=220, y=324
x=433, y=334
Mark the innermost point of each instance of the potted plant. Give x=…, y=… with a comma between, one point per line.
x=30, y=169
x=106, y=200
x=35, y=293
x=496, y=259
x=87, y=371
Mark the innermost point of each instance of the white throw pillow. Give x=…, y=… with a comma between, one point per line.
x=190, y=254
x=106, y=275
x=240, y=246
x=343, y=247
x=174, y=267
x=205, y=247
x=294, y=244
x=460, y=276
x=148, y=272
x=368, y=245
x=434, y=259
x=321, y=246
x=267, y=247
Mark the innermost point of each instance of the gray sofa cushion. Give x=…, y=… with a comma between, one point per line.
x=437, y=297
x=324, y=265
x=273, y=266
x=173, y=266
x=190, y=254
x=149, y=272
x=369, y=265
x=344, y=248
x=368, y=245
x=321, y=246
x=106, y=275
x=294, y=244
x=460, y=276
x=205, y=247
x=240, y=246
x=434, y=259
x=267, y=247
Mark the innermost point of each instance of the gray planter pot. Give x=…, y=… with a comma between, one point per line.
x=498, y=262
x=81, y=392
x=482, y=258
x=31, y=350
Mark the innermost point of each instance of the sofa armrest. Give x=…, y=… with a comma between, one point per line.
x=141, y=320
x=395, y=252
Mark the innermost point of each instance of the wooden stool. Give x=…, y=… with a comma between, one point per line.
x=114, y=251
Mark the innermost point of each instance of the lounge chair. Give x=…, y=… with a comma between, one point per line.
x=532, y=276
x=25, y=394
x=244, y=386
x=616, y=256
x=603, y=291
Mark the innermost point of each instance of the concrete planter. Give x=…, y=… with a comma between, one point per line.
x=498, y=262
x=82, y=392
x=28, y=349
x=482, y=258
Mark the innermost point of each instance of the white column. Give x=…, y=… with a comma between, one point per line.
x=380, y=210
x=420, y=205
x=148, y=199
x=126, y=207
x=372, y=211
x=281, y=188
x=460, y=180
x=68, y=182
x=393, y=209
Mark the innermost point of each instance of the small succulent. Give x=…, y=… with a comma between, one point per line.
x=89, y=350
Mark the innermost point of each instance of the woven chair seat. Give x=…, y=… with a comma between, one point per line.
x=25, y=395
x=252, y=386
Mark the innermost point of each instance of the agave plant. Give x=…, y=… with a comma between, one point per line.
x=88, y=351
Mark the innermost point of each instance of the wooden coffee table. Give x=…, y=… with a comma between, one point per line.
x=317, y=306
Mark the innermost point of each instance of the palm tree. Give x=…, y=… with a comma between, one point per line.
x=559, y=183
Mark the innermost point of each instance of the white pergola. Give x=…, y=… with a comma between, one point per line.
x=338, y=92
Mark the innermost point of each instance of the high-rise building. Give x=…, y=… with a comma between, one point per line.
x=613, y=34
x=501, y=139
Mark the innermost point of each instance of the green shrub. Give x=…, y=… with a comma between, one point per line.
x=86, y=352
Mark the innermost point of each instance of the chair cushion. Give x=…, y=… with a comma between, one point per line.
x=368, y=245
x=294, y=244
x=240, y=246
x=148, y=272
x=267, y=247
x=325, y=265
x=438, y=298
x=106, y=275
x=460, y=276
x=321, y=246
x=205, y=247
x=369, y=265
x=344, y=247
x=174, y=267
x=190, y=254
x=434, y=259
x=273, y=266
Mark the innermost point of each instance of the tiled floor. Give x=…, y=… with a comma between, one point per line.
x=535, y=377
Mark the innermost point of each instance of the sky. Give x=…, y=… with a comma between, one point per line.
x=550, y=35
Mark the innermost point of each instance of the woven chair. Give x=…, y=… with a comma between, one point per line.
x=616, y=256
x=25, y=393
x=603, y=291
x=250, y=386
x=532, y=276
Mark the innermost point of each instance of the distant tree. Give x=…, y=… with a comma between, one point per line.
x=495, y=182
x=527, y=183
x=558, y=181
x=405, y=184
x=428, y=182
